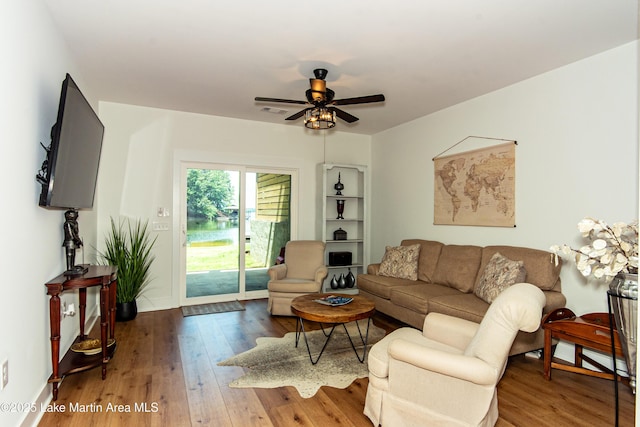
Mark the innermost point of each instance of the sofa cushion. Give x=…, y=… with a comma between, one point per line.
x=498, y=275
x=541, y=271
x=464, y=306
x=429, y=254
x=458, y=266
x=416, y=297
x=381, y=286
x=400, y=262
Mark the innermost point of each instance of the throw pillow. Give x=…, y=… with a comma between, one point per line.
x=498, y=275
x=400, y=262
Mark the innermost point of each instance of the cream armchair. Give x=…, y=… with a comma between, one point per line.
x=302, y=273
x=447, y=374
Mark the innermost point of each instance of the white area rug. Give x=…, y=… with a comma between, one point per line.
x=276, y=362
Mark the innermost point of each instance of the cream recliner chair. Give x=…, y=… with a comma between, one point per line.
x=302, y=273
x=447, y=374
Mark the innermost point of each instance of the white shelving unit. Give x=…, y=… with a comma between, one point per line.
x=355, y=222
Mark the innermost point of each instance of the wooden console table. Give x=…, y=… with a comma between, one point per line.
x=72, y=362
x=591, y=330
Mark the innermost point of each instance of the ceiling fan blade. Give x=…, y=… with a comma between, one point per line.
x=359, y=100
x=297, y=115
x=344, y=115
x=285, y=101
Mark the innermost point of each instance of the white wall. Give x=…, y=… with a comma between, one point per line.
x=142, y=146
x=35, y=60
x=577, y=156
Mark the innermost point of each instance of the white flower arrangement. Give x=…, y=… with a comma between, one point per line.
x=613, y=249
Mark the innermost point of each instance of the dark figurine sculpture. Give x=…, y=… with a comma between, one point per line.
x=72, y=240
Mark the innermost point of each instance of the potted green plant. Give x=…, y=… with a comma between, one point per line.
x=129, y=248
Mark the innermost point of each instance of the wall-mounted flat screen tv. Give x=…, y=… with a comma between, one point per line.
x=70, y=171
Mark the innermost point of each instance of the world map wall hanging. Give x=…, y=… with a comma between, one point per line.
x=476, y=187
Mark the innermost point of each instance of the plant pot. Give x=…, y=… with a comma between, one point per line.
x=126, y=311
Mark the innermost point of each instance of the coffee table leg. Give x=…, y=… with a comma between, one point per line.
x=304, y=334
x=364, y=340
x=297, y=330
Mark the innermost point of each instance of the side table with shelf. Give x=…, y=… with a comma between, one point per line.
x=591, y=330
x=106, y=278
x=353, y=220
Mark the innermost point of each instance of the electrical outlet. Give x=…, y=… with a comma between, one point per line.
x=5, y=374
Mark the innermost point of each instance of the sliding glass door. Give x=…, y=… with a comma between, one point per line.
x=235, y=223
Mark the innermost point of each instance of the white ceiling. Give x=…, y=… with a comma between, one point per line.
x=214, y=57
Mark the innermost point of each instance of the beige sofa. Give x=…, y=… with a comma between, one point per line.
x=446, y=278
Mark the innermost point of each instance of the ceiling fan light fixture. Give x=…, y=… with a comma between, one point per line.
x=319, y=118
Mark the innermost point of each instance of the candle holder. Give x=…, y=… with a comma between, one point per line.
x=340, y=208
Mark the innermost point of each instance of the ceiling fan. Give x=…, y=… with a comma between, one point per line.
x=322, y=114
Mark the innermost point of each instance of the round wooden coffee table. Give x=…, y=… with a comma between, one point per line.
x=306, y=308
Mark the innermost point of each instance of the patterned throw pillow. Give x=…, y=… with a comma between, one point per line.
x=498, y=275
x=400, y=262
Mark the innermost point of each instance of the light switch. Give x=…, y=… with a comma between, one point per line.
x=160, y=226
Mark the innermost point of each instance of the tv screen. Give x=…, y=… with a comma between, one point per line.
x=69, y=173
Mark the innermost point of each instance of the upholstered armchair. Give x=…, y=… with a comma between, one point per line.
x=302, y=272
x=447, y=374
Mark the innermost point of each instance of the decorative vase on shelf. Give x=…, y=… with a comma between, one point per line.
x=342, y=282
x=340, y=208
x=334, y=282
x=339, y=186
x=350, y=279
x=623, y=291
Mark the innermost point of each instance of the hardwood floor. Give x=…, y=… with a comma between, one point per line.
x=165, y=373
